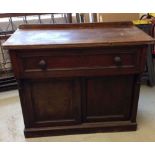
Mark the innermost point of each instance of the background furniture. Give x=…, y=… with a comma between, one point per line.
x=149, y=73
x=78, y=78
x=147, y=24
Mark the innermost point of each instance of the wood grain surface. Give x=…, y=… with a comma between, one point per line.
x=77, y=35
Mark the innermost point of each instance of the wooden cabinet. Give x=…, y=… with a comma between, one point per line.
x=78, y=78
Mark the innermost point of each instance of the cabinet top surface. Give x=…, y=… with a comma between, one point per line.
x=77, y=35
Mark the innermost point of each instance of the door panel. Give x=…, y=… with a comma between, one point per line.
x=108, y=98
x=55, y=101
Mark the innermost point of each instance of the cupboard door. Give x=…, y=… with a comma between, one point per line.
x=53, y=101
x=108, y=98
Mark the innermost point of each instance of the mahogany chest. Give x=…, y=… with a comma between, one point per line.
x=78, y=78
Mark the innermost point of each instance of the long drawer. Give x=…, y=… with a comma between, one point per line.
x=78, y=63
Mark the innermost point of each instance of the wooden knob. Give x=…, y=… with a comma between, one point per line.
x=42, y=64
x=117, y=60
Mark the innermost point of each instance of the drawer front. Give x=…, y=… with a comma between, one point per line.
x=78, y=64
x=40, y=63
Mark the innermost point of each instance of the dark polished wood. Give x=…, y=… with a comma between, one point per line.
x=77, y=36
x=78, y=78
